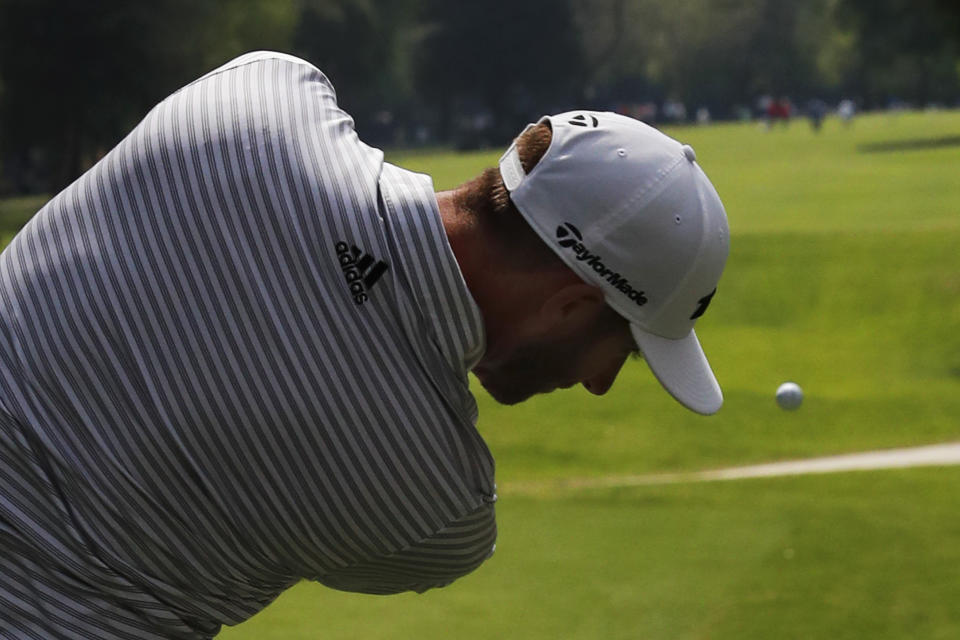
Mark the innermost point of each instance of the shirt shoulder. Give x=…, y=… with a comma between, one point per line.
x=433, y=562
x=273, y=121
x=266, y=57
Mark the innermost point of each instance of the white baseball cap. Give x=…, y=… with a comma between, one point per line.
x=630, y=211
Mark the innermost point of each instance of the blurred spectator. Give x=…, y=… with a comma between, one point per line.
x=675, y=111
x=846, y=111
x=763, y=109
x=646, y=112
x=816, y=111
x=779, y=111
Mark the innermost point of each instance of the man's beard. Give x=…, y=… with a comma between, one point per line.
x=537, y=367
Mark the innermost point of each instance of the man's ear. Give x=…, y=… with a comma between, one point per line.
x=572, y=307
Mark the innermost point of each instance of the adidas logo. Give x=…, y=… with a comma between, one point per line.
x=569, y=237
x=359, y=270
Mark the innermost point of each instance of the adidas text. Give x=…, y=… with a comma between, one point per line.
x=359, y=270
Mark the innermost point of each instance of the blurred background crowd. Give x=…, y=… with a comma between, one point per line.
x=75, y=75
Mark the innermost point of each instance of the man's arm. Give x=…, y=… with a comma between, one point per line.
x=433, y=562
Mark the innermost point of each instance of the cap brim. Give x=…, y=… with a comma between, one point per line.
x=682, y=369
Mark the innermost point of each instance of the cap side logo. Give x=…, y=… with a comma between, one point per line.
x=581, y=121
x=702, y=305
x=564, y=230
x=569, y=237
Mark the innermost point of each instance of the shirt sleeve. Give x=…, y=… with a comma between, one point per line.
x=433, y=562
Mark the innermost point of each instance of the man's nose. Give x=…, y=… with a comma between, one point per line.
x=601, y=383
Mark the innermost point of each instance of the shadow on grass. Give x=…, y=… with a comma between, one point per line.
x=913, y=144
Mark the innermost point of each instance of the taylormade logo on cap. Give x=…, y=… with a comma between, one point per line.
x=595, y=262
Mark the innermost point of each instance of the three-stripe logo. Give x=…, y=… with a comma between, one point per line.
x=361, y=270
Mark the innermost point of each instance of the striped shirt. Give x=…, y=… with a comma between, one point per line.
x=233, y=355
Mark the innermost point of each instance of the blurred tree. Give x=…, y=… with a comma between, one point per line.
x=907, y=49
x=78, y=75
x=724, y=52
x=714, y=52
x=364, y=47
x=604, y=29
x=75, y=76
x=499, y=58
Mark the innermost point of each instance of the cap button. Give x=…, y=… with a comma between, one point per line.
x=689, y=153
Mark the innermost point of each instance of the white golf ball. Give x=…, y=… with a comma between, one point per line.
x=789, y=395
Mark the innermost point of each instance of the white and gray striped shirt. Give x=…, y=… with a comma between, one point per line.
x=233, y=355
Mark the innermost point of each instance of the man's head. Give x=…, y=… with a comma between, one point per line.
x=606, y=238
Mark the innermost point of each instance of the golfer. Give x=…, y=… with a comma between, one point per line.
x=234, y=354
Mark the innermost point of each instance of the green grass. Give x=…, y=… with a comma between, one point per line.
x=14, y=213
x=845, y=277
x=862, y=555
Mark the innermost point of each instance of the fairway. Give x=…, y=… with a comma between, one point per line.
x=867, y=555
x=844, y=276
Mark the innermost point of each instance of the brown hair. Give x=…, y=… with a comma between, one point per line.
x=487, y=201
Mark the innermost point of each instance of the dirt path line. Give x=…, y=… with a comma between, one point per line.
x=928, y=456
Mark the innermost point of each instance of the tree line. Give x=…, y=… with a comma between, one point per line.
x=76, y=76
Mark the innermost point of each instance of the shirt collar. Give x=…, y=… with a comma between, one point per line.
x=434, y=276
